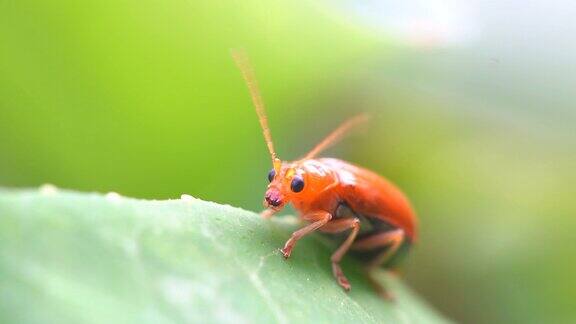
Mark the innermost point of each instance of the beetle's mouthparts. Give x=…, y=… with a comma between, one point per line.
x=273, y=198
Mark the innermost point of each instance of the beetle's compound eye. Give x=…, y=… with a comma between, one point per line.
x=297, y=184
x=271, y=175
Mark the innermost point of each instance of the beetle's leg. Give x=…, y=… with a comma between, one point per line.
x=336, y=226
x=267, y=213
x=318, y=220
x=393, y=240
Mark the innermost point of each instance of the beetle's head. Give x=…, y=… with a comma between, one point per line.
x=296, y=182
x=284, y=181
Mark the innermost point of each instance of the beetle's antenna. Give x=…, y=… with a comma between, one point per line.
x=337, y=134
x=247, y=71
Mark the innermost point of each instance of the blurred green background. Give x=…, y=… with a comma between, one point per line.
x=473, y=107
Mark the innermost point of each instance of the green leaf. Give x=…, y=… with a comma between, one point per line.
x=91, y=258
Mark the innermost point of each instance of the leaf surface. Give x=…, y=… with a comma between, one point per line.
x=92, y=258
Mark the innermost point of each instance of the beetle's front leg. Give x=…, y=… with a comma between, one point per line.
x=318, y=220
x=267, y=213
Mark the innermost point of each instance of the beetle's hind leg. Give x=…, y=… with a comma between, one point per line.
x=391, y=240
x=337, y=226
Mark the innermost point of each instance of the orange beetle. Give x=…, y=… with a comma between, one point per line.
x=367, y=213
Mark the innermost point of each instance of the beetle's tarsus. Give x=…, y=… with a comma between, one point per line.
x=340, y=277
x=343, y=282
x=286, y=252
